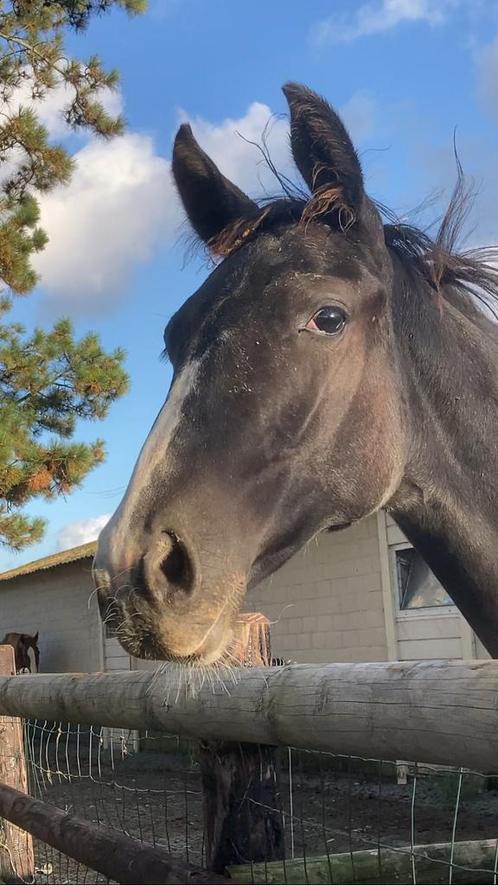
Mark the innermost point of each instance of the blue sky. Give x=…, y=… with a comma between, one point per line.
x=404, y=73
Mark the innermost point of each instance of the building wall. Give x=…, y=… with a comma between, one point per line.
x=334, y=601
x=427, y=633
x=56, y=603
x=326, y=604
x=115, y=657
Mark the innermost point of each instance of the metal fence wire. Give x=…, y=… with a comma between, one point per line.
x=343, y=819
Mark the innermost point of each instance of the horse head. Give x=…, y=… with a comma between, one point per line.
x=282, y=386
x=26, y=651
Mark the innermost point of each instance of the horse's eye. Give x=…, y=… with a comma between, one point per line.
x=329, y=320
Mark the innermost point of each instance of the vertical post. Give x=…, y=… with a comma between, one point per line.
x=242, y=823
x=387, y=590
x=17, y=863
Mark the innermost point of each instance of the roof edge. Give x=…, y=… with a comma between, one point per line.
x=83, y=551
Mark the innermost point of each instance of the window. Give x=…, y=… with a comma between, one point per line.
x=416, y=586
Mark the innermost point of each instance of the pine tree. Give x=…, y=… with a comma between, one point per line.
x=47, y=379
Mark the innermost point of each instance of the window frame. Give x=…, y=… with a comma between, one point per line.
x=428, y=611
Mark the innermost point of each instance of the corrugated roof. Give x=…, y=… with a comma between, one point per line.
x=84, y=551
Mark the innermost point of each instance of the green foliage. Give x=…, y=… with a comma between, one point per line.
x=47, y=380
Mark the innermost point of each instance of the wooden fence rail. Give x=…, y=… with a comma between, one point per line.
x=441, y=712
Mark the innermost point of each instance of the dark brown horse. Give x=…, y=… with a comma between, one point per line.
x=331, y=365
x=23, y=643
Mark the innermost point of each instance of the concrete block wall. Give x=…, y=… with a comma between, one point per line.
x=326, y=603
x=56, y=603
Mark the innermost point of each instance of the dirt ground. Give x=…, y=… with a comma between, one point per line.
x=156, y=797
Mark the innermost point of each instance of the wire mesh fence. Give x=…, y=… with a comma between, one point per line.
x=341, y=818
x=144, y=787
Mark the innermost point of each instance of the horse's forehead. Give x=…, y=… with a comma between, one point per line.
x=316, y=249
x=271, y=258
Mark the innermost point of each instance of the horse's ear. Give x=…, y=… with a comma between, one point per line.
x=35, y=637
x=321, y=147
x=211, y=201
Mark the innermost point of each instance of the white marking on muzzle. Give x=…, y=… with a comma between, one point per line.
x=155, y=449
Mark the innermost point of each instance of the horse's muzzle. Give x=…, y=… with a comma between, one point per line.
x=159, y=606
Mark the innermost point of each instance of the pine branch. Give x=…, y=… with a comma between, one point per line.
x=32, y=48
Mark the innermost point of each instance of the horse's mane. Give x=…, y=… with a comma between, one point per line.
x=463, y=277
x=433, y=260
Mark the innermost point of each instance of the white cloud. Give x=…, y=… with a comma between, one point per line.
x=380, y=15
x=487, y=62
x=109, y=216
x=118, y=203
x=228, y=144
x=75, y=533
x=121, y=200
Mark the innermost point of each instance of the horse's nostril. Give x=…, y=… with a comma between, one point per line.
x=176, y=566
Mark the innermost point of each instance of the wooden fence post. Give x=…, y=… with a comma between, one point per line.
x=17, y=863
x=242, y=823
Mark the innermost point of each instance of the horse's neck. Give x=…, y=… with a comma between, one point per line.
x=447, y=504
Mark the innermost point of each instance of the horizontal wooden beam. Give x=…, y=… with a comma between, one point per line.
x=440, y=712
x=109, y=852
x=471, y=862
